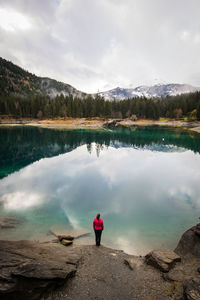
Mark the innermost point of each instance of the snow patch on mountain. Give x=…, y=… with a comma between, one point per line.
x=158, y=90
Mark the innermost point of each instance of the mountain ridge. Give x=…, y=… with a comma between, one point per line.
x=155, y=91
x=19, y=82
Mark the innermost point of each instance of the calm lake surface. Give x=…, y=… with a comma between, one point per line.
x=145, y=182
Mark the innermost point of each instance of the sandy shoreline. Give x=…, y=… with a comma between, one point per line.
x=96, y=123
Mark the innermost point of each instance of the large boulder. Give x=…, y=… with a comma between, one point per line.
x=27, y=269
x=162, y=259
x=189, y=242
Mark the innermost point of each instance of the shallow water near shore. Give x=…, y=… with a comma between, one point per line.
x=144, y=181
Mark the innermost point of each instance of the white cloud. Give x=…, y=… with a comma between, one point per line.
x=13, y=21
x=54, y=178
x=20, y=200
x=94, y=44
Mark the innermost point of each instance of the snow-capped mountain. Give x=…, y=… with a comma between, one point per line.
x=159, y=90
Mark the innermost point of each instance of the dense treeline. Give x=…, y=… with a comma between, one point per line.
x=39, y=106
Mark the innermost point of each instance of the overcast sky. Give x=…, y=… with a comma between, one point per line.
x=100, y=44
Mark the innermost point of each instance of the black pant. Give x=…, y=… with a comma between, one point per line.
x=98, y=237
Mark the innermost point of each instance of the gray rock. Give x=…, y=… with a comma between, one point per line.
x=130, y=262
x=65, y=237
x=192, y=288
x=177, y=275
x=181, y=272
x=189, y=242
x=28, y=268
x=163, y=259
x=65, y=242
x=111, y=123
x=8, y=222
x=134, y=262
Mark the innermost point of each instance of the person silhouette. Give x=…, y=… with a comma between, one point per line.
x=98, y=227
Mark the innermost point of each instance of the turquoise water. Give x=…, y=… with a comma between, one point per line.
x=144, y=182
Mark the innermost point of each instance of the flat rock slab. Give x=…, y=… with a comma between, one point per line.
x=177, y=275
x=28, y=268
x=163, y=259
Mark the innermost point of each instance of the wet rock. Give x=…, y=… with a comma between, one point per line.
x=27, y=269
x=65, y=237
x=163, y=259
x=8, y=222
x=192, y=288
x=189, y=242
x=65, y=242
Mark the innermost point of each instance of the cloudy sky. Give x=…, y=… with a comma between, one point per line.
x=100, y=44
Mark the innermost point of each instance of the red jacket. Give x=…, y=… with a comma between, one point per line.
x=98, y=224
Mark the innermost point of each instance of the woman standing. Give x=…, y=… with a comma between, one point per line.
x=98, y=227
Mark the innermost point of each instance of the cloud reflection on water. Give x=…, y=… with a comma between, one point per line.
x=137, y=191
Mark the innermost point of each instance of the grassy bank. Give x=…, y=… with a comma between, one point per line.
x=96, y=123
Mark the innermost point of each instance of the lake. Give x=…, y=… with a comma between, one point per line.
x=144, y=181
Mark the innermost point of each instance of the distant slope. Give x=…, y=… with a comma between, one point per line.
x=15, y=80
x=159, y=90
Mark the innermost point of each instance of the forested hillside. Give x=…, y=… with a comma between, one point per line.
x=16, y=81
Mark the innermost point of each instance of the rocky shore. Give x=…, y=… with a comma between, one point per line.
x=52, y=271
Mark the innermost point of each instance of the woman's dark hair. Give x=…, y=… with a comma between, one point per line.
x=98, y=216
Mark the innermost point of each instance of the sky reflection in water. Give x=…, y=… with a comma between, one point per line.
x=147, y=198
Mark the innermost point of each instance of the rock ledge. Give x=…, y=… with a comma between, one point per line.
x=27, y=269
x=163, y=259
